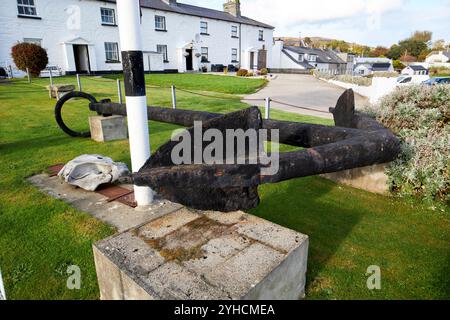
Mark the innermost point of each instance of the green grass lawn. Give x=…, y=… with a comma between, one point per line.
x=234, y=85
x=349, y=229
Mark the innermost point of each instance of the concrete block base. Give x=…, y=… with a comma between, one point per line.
x=105, y=129
x=194, y=255
x=372, y=178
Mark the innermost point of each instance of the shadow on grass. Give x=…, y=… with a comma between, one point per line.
x=305, y=205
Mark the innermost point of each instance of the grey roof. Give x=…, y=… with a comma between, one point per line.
x=191, y=10
x=418, y=68
x=381, y=66
x=304, y=64
x=323, y=56
x=445, y=53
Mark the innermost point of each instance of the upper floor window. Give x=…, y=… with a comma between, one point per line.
x=301, y=57
x=26, y=7
x=160, y=23
x=162, y=48
x=312, y=57
x=261, y=35
x=234, y=55
x=234, y=31
x=205, y=54
x=204, y=27
x=112, y=51
x=108, y=16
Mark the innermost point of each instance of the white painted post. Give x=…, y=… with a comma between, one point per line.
x=119, y=91
x=11, y=72
x=79, y=82
x=128, y=12
x=28, y=75
x=2, y=288
x=174, y=97
x=51, y=78
x=267, y=115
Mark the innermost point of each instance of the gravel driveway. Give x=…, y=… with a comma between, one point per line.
x=302, y=90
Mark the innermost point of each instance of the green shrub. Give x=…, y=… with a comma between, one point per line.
x=264, y=72
x=242, y=73
x=420, y=116
x=31, y=56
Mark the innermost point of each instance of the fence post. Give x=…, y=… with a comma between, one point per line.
x=79, y=82
x=174, y=97
x=51, y=78
x=267, y=115
x=119, y=91
x=28, y=75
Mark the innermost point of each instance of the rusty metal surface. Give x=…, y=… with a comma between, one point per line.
x=54, y=170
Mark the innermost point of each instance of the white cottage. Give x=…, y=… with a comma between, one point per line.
x=81, y=36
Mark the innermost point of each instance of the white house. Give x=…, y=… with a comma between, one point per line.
x=303, y=59
x=368, y=66
x=415, y=70
x=438, y=57
x=81, y=36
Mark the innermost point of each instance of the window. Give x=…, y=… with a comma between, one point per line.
x=26, y=7
x=301, y=57
x=108, y=16
x=112, y=51
x=204, y=52
x=261, y=35
x=312, y=57
x=234, y=31
x=203, y=27
x=234, y=55
x=162, y=48
x=160, y=23
x=33, y=41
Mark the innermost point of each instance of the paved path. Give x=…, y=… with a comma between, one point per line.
x=302, y=90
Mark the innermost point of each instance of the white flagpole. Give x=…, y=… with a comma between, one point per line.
x=128, y=12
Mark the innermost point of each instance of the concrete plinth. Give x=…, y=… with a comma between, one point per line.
x=57, y=91
x=194, y=255
x=105, y=129
x=372, y=178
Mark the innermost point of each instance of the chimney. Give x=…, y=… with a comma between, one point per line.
x=170, y=2
x=233, y=7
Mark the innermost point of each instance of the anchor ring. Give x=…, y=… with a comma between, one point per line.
x=58, y=109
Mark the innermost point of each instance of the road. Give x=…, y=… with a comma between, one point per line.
x=302, y=90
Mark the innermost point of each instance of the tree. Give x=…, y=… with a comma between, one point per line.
x=398, y=65
x=423, y=55
x=29, y=56
x=395, y=52
x=439, y=45
x=342, y=46
x=379, y=52
x=414, y=47
x=422, y=36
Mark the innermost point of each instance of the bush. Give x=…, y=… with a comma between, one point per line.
x=420, y=116
x=31, y=56
x=264, y=72
x=242, y=73
x=250, y=74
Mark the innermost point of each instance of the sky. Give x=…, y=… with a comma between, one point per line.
x=368, y=22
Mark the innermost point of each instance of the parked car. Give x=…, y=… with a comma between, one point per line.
x=436, y=81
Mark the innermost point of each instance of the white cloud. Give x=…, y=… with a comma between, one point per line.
x=372, y=22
